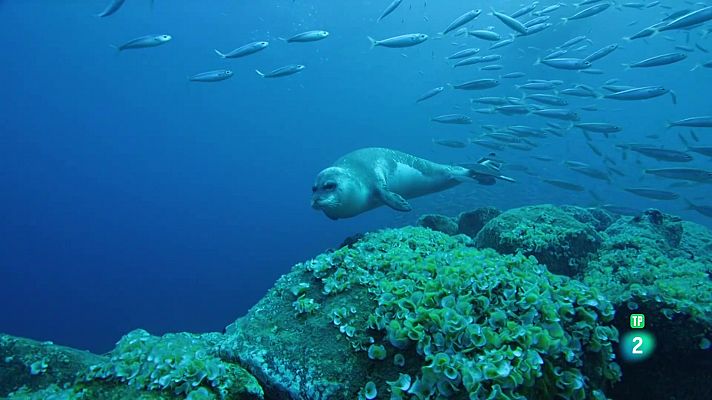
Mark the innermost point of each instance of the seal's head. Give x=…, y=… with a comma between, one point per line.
x=338, y=194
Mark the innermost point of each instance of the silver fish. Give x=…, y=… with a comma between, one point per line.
x=212, y=76
x=282, y=71
x=430, y=93
x=477, y=84
x=696, y=17
x=659, y=153
x=391, y=7
x=565, y=63
x=514, y=75
x=407, y=40
x=464, y=53
x=704, y=210
x=685, y=174
x=245, y=50
x=558, y=113
x=588, y=12
x=602, y=52
x=564, y=185
x=462, y=20
x=548, y=99
x=598, y=127
x=455, y=144
x=502, y=43
x=458, y=119
x=145, y=42
x=512, y=23
x=694, y=122
x=309, y=36
x=663, y=59
x=525, y=10
x=485, y=35
x=640, y=93
x=536, y=21
x=653, y=193
x=110, y=9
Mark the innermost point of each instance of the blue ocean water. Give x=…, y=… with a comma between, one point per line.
x=133, y=198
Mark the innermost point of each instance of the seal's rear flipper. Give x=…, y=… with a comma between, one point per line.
x=394, y=200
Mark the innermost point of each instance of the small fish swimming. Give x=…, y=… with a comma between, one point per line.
x=512, y=23
x=485, y=35
x=514, y=75
x=564, y=185
x=663, y=59
x=704, y=210
x=525, y=10
x=455, y=144
x=565, y=63
x=477, y=84
x=598, y=127
x=691, y=19
x=652, y=193
x=462, y=20
x=588, y=12
x=641, y=93
x=144, y=42
x=245, y=50
x=430, y=93
x=558, y=113
x=693, y=122
x=602, y=52
x=212, y=76
x=111, y=8
x=308, y=36
x=458, y=119
x=282, y=71
x=658, y=153
x=464, y=53
x=685, y=174
x=548, y=99
x=407, y=40
x=391, y=7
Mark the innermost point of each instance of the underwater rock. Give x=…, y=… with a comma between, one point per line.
x=471, y=222
x=416, y=313
x=650, y=265
x=597, y=218
x=174, y=366
x=547, y=232
x=651, y=228
x=35, y=365
x=696, y=241
x=439, y=223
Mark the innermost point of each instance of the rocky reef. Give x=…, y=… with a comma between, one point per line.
x=529, y=303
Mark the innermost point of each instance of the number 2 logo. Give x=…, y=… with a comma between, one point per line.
x=636, y=348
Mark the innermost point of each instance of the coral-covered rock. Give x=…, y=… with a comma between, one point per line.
x=439, y=223
x=547, y=232
x=33, y=365
x=471, y=222
x=413, y=313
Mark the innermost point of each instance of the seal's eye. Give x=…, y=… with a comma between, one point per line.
x=330, y=186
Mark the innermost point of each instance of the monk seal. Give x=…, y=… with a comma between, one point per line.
x=372, y=177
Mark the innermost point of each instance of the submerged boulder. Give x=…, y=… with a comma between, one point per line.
x=412, y=313
x=439, y=223
x=649, y=264
x=34, y=365
x=471, y=222
x=547, y=232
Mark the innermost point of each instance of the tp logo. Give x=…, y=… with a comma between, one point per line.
x=638, y=344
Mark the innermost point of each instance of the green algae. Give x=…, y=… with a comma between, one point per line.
x=474, y=320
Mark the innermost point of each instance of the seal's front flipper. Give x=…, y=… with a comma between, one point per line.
x=394, y=200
